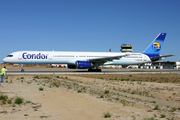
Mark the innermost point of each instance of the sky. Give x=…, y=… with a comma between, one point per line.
x=88, y=25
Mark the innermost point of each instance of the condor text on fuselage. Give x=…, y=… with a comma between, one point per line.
x=25, y=55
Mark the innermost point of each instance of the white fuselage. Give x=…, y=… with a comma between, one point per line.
x=53, y=57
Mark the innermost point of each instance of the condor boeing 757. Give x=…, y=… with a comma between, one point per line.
x=89, y=60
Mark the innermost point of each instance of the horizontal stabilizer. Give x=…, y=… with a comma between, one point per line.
x=161, y=57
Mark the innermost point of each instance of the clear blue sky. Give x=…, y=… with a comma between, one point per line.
x=88, y=25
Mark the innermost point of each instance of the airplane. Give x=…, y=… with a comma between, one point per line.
x=89, y=60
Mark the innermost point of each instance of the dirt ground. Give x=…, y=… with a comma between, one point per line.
x=91, y=97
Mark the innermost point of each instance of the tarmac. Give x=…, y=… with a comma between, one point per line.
x=61, y=71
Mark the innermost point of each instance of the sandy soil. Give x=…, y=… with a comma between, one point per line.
x=91, y=97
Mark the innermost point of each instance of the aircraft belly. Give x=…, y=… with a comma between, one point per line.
x=45, y=62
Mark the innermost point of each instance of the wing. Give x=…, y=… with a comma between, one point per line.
x=105, y=59
x=161, y=57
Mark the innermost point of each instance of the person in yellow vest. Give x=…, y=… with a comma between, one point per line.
x=3, y=73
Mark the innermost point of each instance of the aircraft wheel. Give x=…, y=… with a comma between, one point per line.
x=22, y=70
x=90, y=70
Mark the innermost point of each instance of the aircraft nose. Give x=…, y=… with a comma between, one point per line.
x=5, y=60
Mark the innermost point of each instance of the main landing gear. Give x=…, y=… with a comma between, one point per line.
x=94, y=70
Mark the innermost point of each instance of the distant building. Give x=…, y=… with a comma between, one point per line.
x=165, y=65
x=178, y=65
x=160, y=65
x=126, y=48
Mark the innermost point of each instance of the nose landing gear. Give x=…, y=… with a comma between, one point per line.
x=22, y=70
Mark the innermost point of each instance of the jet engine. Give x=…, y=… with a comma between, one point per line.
x=80, y=65
x=83, y=64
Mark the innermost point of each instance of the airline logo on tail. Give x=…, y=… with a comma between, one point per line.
x=156, y=46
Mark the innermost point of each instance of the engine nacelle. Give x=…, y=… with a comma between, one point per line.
x=83, y=64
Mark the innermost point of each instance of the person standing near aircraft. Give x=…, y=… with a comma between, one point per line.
x=3, y=72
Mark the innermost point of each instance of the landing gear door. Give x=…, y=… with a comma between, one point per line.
x=50, y=56
x=20, y=57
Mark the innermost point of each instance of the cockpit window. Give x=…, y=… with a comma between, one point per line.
x=10, y=56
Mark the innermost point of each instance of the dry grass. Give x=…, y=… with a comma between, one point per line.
x=159, y=78
x=137, y=90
